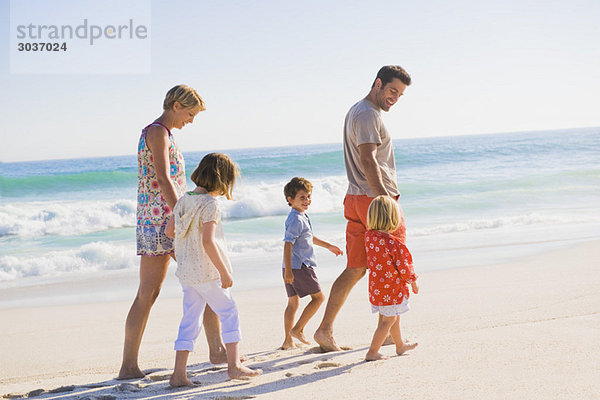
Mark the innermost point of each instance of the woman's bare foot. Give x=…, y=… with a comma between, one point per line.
x=406, y=346
x=244, y=373
x=325, y=340
x=130, y=373
x=178, y=381
x=388, y=340
x=288, y=343
x=374, y=356
x=219, y=357
x=300, y=336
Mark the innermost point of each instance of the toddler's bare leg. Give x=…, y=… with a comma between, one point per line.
x=401, y=346
x=383, y=328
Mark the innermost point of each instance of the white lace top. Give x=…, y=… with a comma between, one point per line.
x=193, y=264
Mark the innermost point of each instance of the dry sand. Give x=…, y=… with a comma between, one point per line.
x=528, y=329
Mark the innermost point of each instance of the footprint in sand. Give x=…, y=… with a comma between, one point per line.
x=159, y=378
x=129, y=387
x=327, y=365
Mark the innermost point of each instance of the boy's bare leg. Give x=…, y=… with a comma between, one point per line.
x=288, y=322
x=383, y=329
x=338, y=295
x=235, y=369
x=152, y=275
x=401, y=345
x=179, y=377
x=311, y=308
x=212, y=328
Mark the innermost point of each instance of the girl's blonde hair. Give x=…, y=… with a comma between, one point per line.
x=216, y=173
x=184, y=95
x=383, y=214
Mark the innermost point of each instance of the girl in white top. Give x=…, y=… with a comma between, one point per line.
x=203, y=267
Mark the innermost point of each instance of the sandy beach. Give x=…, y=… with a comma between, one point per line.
x=529, y=329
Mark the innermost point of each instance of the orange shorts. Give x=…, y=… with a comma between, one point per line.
x=355, y=211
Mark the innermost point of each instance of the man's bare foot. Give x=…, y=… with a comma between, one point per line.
x=244, y=373
x=374, y=356
x=178, y=381
x=406, y=346
x=325, y=340
x=388, y=341
x=300, y=336
x=130, y=373
x=288, y=343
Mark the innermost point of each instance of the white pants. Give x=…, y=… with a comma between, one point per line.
x=195, y=299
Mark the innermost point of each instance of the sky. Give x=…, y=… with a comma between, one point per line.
x=284, y=73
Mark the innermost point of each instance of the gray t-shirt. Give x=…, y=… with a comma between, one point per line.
x=364, y=125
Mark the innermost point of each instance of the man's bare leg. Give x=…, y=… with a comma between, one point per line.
x=337, y=297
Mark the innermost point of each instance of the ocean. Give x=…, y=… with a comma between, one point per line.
x=468, y=200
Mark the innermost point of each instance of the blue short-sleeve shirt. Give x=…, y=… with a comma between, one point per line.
x=298, y=231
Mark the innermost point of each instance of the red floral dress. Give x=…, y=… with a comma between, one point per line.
x=152, y=208
x=390, y=269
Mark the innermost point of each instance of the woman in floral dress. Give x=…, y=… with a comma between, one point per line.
x=161, y=181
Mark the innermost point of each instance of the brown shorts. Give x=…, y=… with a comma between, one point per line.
x=355, y=211
x=305, y=282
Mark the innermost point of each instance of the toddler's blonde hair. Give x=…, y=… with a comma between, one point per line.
x=383, y=214
x=184, y=95
x=216, y=173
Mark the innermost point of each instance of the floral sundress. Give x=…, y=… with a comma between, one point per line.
x=390, y=269
x=152, y=209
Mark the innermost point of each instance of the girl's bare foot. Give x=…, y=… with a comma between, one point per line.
x=244, y=373
x=300, y=336
x=287, y=344
x=130, y=373
x=178, y=381
x=374, y=356
x=406, y=346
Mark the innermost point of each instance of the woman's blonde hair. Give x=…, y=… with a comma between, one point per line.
x=184, y=95
x=216, y=173
x=383, y=214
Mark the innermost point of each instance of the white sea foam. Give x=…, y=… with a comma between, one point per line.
x=92, y=257
x=513, y=221
x=267, y=199
x=65, y=218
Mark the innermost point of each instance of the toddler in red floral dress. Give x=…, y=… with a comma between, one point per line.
x=390, y=273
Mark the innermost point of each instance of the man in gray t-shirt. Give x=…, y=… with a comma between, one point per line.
x=371, y=171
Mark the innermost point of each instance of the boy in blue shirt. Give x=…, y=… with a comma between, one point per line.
x=299, y=261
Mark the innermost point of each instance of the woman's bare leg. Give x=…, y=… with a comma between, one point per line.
x=152, y=275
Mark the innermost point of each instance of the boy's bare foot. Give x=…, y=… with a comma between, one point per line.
x=374, y=356
x=178, y=381
x=244, y=373
x=325, y=340
x=300, y=336
x=287, y=344
x=130, y=373
x=406, y=346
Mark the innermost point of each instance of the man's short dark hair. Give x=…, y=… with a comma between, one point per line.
x=389, y=72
